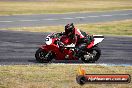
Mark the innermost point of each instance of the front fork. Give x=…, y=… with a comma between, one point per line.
x=49, y=56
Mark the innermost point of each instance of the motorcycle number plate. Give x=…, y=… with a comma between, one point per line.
x=48, y=40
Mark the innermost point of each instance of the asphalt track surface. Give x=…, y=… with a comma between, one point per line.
x=20, y=47
x=62, y=19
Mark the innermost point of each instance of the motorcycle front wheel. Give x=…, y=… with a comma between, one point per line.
x=40, y=56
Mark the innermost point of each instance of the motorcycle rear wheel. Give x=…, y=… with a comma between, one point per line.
x=40, y=56
x=95, y=49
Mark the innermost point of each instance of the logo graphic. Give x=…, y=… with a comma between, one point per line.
x=83, y=78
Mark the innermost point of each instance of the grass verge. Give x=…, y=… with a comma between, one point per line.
x=108, y=28
x=56, y=76
x=61, y=6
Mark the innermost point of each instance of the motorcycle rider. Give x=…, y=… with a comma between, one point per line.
x=73, y=35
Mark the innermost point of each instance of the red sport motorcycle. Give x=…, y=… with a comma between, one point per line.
x=55, y=49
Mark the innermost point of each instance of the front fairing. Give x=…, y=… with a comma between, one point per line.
x=54, y=48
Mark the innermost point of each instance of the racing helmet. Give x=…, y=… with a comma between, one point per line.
x=69, y=29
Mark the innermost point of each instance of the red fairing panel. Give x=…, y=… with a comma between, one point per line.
x=90, y=45
x=57, y=51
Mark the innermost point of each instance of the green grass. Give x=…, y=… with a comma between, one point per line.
x=108, y=28
x=56, y=76
x=62, y=6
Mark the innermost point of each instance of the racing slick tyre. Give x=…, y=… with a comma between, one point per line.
x=40, y=56
x=94, y=54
